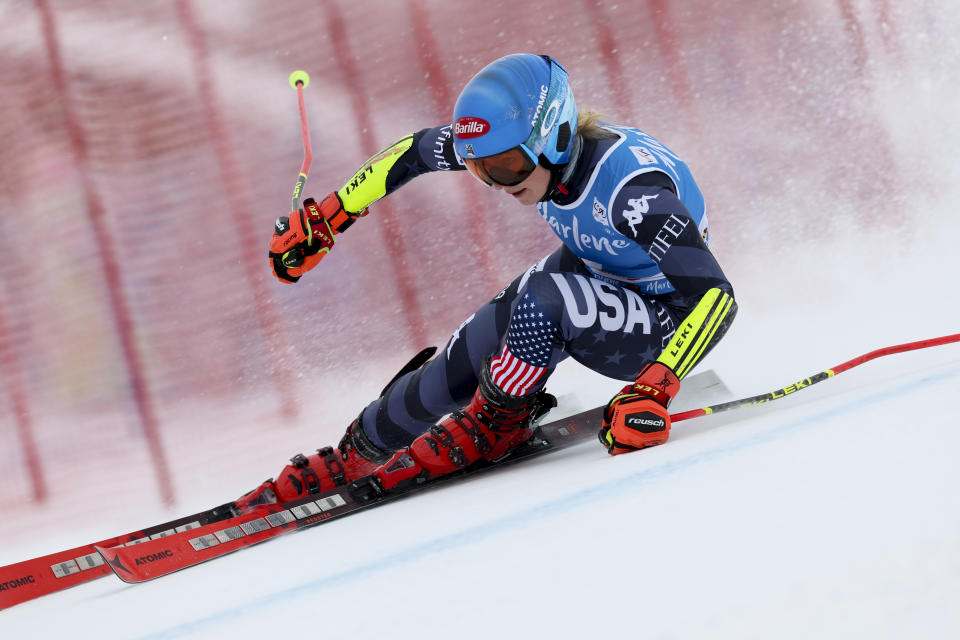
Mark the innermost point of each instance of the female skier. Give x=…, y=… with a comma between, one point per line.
x=633, y=292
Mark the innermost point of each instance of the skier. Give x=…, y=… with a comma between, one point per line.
x=633, y=292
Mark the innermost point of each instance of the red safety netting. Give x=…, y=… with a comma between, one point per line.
x=148, y=148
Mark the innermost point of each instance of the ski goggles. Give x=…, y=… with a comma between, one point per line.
x=506, y=169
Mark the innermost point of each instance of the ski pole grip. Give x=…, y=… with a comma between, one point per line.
x=299, y=80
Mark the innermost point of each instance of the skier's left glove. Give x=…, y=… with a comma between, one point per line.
x=302, y=239
x=637, y=416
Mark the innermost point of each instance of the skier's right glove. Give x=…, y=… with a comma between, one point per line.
x=302, y=239
x=637, y=416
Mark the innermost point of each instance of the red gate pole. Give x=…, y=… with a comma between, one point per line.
x=669, y=47
x=108, y=264
x=13, y=381
x=443, y=101
x=390, y=229
x=252, y=240
x=612, y=64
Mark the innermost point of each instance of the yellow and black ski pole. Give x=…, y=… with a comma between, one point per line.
x=814, y=379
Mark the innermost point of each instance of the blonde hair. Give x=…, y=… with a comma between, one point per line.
x=588, y=125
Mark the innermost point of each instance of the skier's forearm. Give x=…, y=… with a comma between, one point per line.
x=374, y=180
x=699, y=332
x=412, y=155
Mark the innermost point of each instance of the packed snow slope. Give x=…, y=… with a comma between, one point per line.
x=830, y=513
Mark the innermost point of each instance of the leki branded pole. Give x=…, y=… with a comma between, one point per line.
x=299, y=80
x=815, y=378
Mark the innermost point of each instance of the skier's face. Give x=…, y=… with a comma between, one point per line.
x=531, y=190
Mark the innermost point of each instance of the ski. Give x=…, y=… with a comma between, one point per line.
x=37, y=577
x=163, y=556
x=29, y=579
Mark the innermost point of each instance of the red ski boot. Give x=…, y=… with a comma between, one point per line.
x=355, y=457
x=490, y=425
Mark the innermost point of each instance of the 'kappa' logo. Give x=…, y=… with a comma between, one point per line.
x=638, y=207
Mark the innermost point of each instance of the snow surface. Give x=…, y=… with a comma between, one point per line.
x=832, y=513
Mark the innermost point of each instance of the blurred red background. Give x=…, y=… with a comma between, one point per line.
x=145, y=349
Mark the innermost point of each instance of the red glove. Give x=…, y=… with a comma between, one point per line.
x=637, y=416
x=302, y=239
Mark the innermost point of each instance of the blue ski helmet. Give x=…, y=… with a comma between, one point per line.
x=519, y=100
